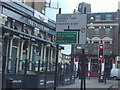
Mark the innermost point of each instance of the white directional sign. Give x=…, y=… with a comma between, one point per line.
x=73, y=22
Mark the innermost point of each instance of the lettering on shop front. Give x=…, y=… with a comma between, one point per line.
x=42, y=82
x=29, y=38
x=17, y=81
x=49, y=82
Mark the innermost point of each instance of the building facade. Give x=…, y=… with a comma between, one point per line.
x=28, y=43
x=102, y=28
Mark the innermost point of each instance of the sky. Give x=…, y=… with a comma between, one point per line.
x=68, y=6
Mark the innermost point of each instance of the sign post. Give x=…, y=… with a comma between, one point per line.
x=66, y=26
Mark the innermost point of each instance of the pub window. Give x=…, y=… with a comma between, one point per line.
x=15, y=42
x=24, y=56
x=35, y=57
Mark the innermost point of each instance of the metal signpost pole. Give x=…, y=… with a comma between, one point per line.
x=56, y=63
x=75, y=28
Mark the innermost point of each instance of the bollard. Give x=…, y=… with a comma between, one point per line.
x=9, y=83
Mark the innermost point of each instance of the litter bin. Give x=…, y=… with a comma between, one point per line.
x=9, y=83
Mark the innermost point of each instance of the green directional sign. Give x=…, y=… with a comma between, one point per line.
x=66, y=37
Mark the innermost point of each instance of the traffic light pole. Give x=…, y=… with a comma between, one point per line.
x=101, y=62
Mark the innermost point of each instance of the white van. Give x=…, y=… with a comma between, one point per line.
x=115, y=73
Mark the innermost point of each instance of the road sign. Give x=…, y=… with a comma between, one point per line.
x=72, y=22
x=66, y=37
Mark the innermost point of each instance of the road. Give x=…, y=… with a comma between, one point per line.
x=90, y=84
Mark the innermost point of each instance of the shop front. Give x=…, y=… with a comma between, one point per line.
x=29, y=49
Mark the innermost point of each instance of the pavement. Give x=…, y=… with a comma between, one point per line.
x=91, y=84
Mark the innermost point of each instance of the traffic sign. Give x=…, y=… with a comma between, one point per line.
x=66, y=37
x=69, y=23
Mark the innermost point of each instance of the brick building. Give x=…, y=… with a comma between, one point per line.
x=102, y=28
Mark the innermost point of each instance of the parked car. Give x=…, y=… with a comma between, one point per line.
x=115, y=73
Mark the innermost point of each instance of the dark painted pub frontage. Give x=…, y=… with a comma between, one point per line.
x=28, y=49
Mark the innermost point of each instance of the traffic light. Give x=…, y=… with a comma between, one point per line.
x=101, y=51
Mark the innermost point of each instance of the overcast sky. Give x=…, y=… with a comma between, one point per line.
x=68, y=6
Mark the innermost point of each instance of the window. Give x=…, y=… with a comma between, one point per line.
x=35, y=58
x=15, y=42
x=108, y=17
x=107, y=48
x=107, y=31
x=97, y=17
x=96, y=32
x=95, y=48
